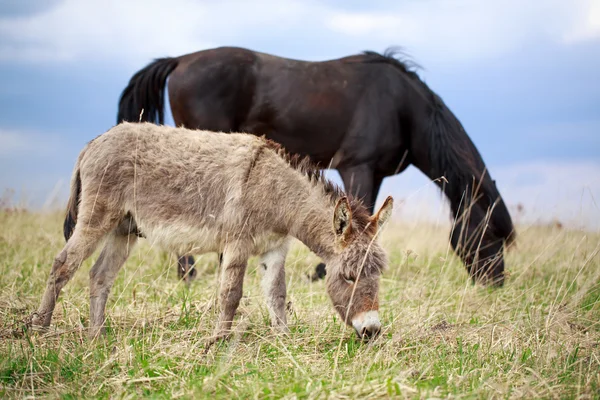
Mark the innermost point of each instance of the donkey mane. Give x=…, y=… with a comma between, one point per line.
x=303, y=164
x=360, y=215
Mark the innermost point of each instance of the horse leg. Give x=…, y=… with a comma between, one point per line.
x=272, y=264
x=103, y=274
x=359, y=182
x=231, y=289
x=377, y=180
x=185, y=268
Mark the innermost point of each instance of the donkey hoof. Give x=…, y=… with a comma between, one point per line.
x=281, y=330
x=219, y=337
x=96, y=333
x=39, y=322
x=39, y=328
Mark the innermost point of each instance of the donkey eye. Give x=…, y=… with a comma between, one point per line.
x=349, y=279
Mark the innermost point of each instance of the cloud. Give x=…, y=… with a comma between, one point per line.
x=589, y=28
x=36, y=166
x=138, y=30
x=467, y=29
x=567, y=191
x=74, y=30
x=19, y=144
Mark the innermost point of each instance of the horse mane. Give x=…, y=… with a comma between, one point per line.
x=452, y=153
x=395, y=56
x=311, y=171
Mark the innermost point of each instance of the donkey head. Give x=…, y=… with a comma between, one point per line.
x=354, y=271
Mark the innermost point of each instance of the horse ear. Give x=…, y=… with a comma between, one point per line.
x=342, y=219
x=384, y=213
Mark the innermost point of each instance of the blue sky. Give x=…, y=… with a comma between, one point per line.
x=523, y=79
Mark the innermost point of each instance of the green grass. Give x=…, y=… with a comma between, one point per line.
x=539, y=336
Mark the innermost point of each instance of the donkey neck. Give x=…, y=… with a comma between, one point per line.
x=312, y=224
x=300, y=207
x=288, y=197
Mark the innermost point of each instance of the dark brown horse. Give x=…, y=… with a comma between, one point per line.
x=368, y=116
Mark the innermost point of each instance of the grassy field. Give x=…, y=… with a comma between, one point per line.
x=539, y=336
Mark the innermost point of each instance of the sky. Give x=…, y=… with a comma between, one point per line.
x=522, y=77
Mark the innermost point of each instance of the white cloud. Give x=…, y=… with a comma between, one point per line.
x=467, y=29
x=589, y=26
x=36, y=165
x=95, y=29
x=567, y=191
x=137, y=30
x=10, y=141
x=14, y=143
x=134, y=31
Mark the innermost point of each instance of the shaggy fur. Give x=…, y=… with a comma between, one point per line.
x=199, y=191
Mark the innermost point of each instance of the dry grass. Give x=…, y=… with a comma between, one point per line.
x=443, y=337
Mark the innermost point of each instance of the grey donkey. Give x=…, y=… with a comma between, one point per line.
x=192, y=191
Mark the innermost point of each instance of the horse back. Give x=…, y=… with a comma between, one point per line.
x=295, y=103
x=213, y=89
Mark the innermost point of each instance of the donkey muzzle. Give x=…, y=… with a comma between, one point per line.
x=367, y=325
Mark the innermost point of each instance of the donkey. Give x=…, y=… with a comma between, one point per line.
x=200, y=191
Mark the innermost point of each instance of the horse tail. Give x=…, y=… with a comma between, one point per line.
x=73, y=204
x=454, y=156
x=143, y=99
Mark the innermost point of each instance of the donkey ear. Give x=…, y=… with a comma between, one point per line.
x=384, y=213
x=342, y=218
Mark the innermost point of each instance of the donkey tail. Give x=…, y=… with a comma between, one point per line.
x=73, y=204
x=452, y=154
x=143, y=99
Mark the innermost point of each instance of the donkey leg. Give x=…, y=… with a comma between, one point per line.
x=272, y=264
x=230, y=292
x=79, y=247
x=103, y=275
